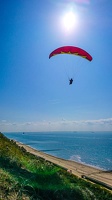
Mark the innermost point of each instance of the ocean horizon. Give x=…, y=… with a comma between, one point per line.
x=90, y=148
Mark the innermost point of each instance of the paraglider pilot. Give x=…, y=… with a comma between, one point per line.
x=70, y=81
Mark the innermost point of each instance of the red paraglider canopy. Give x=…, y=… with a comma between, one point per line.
x=71, y=50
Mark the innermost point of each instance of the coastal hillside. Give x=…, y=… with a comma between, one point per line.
x=24, y=176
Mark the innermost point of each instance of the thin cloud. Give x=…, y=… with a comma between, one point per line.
x=57, y=125
x=54, y=101
x=82, y=1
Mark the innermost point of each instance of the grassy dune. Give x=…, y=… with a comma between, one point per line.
x=24, y=176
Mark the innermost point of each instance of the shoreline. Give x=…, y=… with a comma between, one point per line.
x=76, y=168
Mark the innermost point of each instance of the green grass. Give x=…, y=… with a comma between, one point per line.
x=25, y=176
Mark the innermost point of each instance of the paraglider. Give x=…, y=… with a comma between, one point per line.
x=71, y=50
x=70, y=81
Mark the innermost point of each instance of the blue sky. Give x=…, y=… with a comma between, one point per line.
x=35, y=94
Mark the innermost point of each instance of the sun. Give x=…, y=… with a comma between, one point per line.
x=69, y=21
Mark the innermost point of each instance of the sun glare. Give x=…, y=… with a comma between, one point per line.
x=69, y=21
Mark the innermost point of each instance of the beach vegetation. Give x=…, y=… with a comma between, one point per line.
x=24, y=176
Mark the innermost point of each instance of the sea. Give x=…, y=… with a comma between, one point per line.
x=90, y=148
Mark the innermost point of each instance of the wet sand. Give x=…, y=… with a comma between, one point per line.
x=76, y=168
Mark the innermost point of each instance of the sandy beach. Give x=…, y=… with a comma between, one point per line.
x=76, y=168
